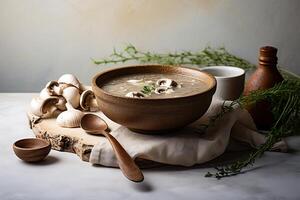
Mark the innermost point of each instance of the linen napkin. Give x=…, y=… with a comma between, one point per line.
x=186, y=147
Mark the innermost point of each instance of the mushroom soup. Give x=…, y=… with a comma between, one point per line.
x=156, y=86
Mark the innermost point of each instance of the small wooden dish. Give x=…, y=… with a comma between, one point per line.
x=32, y=149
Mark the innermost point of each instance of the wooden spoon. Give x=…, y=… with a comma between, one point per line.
x=93, y=124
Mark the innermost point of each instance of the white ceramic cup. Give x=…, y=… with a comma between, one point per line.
x=230, y=81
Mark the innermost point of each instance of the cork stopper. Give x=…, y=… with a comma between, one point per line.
x=268, y=56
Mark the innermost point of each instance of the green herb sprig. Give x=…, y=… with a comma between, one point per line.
x=285, y=101
x=206, y=57
x=148, y=89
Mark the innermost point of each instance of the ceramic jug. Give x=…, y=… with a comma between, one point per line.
x=265, y=76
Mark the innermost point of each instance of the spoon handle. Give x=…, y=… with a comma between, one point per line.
x=126, y=163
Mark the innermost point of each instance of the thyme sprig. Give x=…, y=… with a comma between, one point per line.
x=207, y=57
x=285, y=101
x=148, y=89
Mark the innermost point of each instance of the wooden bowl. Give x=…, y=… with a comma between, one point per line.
x=148, y=115
x=32, y=149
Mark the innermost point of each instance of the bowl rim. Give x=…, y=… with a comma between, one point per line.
x=100, y=90
x=45, y=145
x=225, y=68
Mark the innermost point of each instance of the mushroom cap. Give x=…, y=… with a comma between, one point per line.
x=72, y=96
x=69, y=79
x=44, y=94
x=51, y=84
x=70, y=118
x=160, y=90
x=163, y=89
x=40, y=107
x=53, y=88
x=84, y=99
x=135, y=95
x=166, y=82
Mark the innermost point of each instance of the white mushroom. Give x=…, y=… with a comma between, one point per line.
x=70, y=118
x=44, y=108
x=44, y=94
x=165, y=82
x=69, y=79
x=135, y=95
x=161, y=90
x=53, y=88
x=88, y=101
x=72, y=96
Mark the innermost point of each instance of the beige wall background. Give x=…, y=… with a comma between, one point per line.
x=40, y=40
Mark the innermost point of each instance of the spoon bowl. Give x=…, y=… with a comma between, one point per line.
x=93, y=124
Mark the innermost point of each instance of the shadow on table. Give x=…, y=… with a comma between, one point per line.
x=144, y=186
x=225, y=159
x=49, y=160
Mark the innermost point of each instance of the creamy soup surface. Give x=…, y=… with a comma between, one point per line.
x=154, y=86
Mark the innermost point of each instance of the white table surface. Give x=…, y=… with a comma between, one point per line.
x=65, y=176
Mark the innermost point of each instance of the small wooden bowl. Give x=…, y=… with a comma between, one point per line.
x=32, y=149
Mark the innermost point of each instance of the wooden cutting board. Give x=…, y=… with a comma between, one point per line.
x=74, y=140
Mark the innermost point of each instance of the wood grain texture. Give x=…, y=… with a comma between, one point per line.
x=73, y=140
